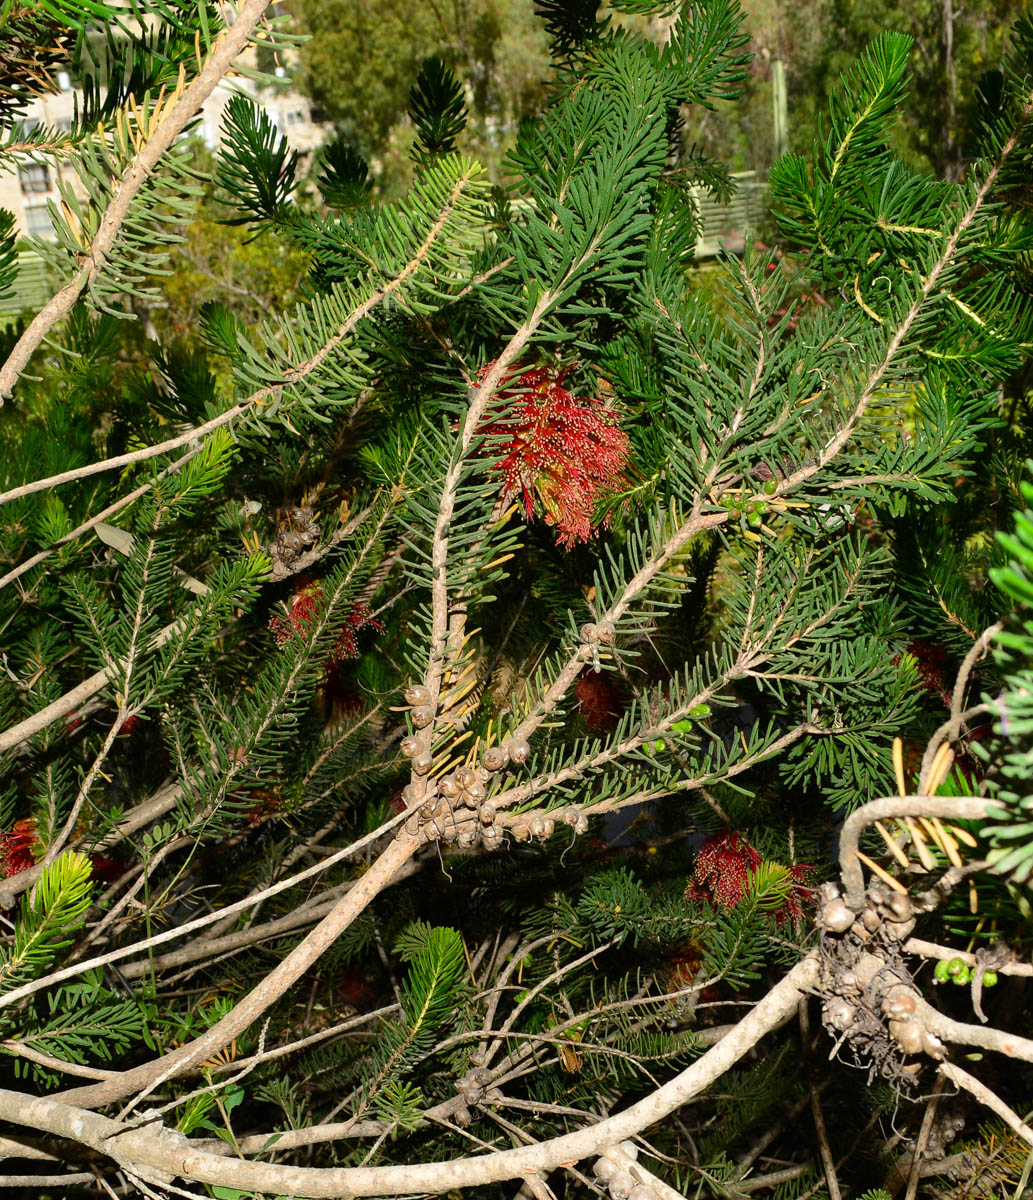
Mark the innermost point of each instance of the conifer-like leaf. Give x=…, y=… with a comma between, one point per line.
x=257, y=165
x=48, y=919
x=344, y=179
x=437, y=107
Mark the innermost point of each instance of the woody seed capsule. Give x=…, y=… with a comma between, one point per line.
x=422, y=763
x=474, y=794
x=465, y=776
x=411, y=746
x=589, y=633
x=606, y=633
x=519, y=750
x=642, y=1191
x=604, y=1168
x=448, y=787
x=495, y=758
x=621, y=1183
x=417, y=694
x=422, y=716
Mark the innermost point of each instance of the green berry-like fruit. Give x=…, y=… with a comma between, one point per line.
x=955, y=965
x=771, y=487
x=963, y=976
x=990, y=979
x=941, y=972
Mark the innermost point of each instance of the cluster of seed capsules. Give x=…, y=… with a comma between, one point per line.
x=617, y=1172
x=456, y=808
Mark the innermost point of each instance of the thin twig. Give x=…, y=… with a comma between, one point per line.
x=985, y=1096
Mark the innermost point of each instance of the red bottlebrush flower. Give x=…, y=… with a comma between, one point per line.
x=725, y=866
x=353, y=990
x=266, y=804
x=723, y=869
x=107, y=870
x=127, y=726
x=684, y=964
x=360, y=616
x=598, y=700
x=16, y=847
x=560, y=453
x=800, y=893
x=302, y=613
x=931, y=660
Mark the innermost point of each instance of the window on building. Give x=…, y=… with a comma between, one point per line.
x=294, y=116
x=63, y=124
x=35, y=178
x=38, y=222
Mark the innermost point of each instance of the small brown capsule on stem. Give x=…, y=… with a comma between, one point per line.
x=621, y=1184
x=899, y=1007
x=495, y=758
x=589, y=633
x=465, y=776
x=411, y=746
x=909, y=1035
x=836, y=917
x=448, y=787
x=870, y=919
x=422, y=716
x=417, y=695
x=519, y=750
x=606, y=633
x=423, y=762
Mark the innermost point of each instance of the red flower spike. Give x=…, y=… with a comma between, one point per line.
x=726, y=864
x=16, y=847
x=723, y=869
x=107, y=870
x=302, y=613
x=800, y=893
x=560, y=453
x=931, y=660
x=300, y=616
x=598, y=700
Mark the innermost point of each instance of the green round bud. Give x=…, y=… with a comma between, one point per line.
x=962, y=977
x=955, y=966
x=770, y=487
x=990, y=979
x=941, y=972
